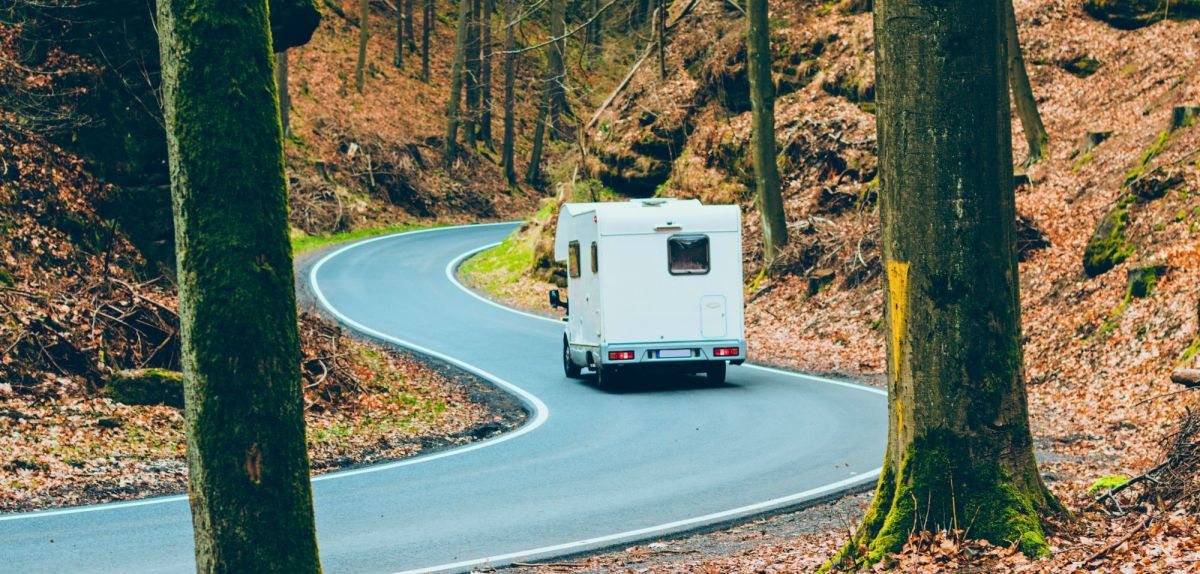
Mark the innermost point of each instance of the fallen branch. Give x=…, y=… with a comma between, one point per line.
x=1189, y=378
x=1140, y=527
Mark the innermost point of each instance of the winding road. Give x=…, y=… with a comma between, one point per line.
x=589, y=469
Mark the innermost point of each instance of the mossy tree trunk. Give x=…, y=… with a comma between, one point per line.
x=762, y=132
x=450, y=150
x=960, y=452
x=248, y=467
x=485, y=116
x=285, y=98
x=510, y=62
x=363, y=36
x=1022, y=90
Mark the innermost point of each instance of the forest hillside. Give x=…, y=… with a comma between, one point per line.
x=1108, y=222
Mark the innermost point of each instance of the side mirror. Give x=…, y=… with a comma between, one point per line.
x=556, y=299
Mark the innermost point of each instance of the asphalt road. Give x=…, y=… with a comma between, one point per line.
x=589, y=469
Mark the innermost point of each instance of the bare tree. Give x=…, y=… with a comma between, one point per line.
x=762, y=133
x=510, y=61
x=1022, y=90
x=450, y=151
x=426, y=25
x=363, y=35
x=485, y=116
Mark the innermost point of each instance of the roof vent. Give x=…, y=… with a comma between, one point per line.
x=655, y=202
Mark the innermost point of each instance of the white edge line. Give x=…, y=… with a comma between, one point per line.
x=591, y=543
x=540, y=411
x=453, y=266
x=600, y=541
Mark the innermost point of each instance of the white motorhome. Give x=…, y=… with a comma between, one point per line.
x=653, y=284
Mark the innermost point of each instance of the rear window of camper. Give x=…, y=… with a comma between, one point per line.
x=573, y=259
x=688, y=254
x=595, y=259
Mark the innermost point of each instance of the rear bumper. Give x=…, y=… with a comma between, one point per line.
x=700, y=353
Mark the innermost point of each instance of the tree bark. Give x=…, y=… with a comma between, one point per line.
x=1022, y=91
x=285, y=98
x=661, y=13
x=960, y=452
x=248, y=478
x=426, y=24
x=485, y=117
x=398, y=60
x=408, y=23
x=456, y=85
x=762, y=133
x=363, y=35
x=533, y=173
x=510, y=62
x=471, y=80
x=555, y=69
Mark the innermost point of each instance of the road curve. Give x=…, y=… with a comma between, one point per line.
x=590, y=469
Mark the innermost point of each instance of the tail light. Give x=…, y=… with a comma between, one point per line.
x=620, y=355
x=726, y=351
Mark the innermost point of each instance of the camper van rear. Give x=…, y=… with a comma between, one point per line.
x=652, y=284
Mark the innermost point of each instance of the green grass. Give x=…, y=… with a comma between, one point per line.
x=306, y=243
x=493, y=269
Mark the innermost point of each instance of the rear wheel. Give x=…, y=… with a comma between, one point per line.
x=569, y=367
x=716, y=373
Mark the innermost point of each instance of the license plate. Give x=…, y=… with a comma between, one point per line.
x=674, y=353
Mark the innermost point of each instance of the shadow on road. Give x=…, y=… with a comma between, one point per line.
x=638, y=383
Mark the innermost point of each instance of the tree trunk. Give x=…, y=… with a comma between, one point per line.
x=762, y=133
x=426, y=24
x=533, y=173
x=597, y=29
x=1022, y=91
x=398, y=60
x=472, y=75
x=485, y=118
x=456, y=84
x=248, y=472
x=363, y=35
x=408, y=23
x=285, y=98
x=555, y=69
x=960, y=452
x=510, y=61
x=661, y=23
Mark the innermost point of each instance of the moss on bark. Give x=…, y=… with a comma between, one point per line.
x=1108, y=246
x=960, y=451
x=248, y=466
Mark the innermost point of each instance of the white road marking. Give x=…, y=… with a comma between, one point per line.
x=540, y=411
x=541, y=414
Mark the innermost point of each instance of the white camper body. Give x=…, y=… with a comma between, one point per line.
x=653, y=283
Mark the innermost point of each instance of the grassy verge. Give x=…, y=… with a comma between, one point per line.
x=303, y=243
x=503, y=272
